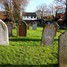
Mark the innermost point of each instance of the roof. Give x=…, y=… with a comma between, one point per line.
x=29, y=14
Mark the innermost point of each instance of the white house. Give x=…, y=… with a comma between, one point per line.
x=29, y=16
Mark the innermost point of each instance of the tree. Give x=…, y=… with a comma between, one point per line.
x=43, y=11
x=64, y=2
x=13, y=9
x=65, y=20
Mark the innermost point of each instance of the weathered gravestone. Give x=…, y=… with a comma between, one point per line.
x=34, y=26
x=22, y=29
x=48, y=34
x=28, y=25
x=10, y=28
x=4, y=40
x=63, y=50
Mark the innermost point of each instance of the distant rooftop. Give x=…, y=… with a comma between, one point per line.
x=29, y=16
x=32, y=14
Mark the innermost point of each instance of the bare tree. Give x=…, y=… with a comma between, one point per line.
x=65, y=20
x=64, y=2
x=13, y=8
x=42, y=11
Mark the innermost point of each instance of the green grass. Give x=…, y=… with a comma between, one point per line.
x=33, y=38
x=28, y=51
x=26, y=55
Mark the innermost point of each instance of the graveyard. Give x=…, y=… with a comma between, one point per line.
x=27, y=50
x=33, y=33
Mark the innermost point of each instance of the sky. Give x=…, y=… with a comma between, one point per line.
x=1, y=7
x=33, y=4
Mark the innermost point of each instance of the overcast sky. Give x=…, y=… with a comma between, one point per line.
x=1, y=7
x=33, y=4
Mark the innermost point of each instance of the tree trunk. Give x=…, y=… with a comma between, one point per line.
x=65, y=18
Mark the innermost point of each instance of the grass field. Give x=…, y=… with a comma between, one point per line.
x=33, y=38
x=27, y=50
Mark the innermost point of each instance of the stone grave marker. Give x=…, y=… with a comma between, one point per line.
x=34, y=26
x=10, y=28
x=28, y=26
x=63, y=50
x=48, y=34
x=22, y=29
x=4, y=39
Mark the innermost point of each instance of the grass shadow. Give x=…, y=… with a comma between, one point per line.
x=48, y=65
x=56, y=39
x=25, y=39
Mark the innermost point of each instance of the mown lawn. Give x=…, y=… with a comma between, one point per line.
x=33, y=38
x=24, y=51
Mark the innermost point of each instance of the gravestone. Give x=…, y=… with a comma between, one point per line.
x=22, y=29
x=10, y=27
x=63, y=50
x=34, y=26
x=4, y=40
x=48, y=34
x=28, y=26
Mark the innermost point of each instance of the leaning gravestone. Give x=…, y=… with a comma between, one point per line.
x=63, y=50
x=4, y=40
x=48, y=34
x=34, y=26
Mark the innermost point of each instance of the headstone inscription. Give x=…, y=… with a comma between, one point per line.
x=4, y=39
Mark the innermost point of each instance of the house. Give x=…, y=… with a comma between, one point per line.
x=29, y=17
x=26, y=16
